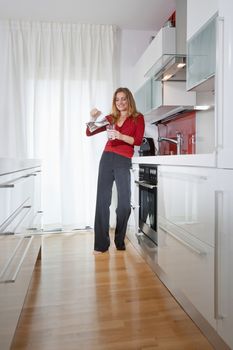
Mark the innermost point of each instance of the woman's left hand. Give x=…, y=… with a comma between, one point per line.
x=117, y=135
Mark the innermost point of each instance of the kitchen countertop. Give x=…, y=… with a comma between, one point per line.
x=202, y=160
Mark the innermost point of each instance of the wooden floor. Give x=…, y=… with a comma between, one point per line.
x=110, y=301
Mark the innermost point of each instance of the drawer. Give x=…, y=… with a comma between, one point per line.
x=189, y=264
x=186, y=198
x=17, y=194
x=18, y=257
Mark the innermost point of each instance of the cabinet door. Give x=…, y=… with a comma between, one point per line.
x=157, y=93
x=189, y=264
x=143, y=97
x=224, y=256
x=18, y=256
x=202, y=55
x=224, y=128
x=186, y=198
x=18, y=193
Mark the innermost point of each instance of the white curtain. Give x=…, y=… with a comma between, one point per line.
x=52, y=74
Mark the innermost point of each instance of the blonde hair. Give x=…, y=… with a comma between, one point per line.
x=132, y=110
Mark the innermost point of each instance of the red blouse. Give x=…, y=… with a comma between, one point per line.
x=131, y=127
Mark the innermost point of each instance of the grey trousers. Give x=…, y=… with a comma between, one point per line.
x=112, y=167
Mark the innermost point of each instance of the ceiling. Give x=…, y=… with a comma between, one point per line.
x=127, y=14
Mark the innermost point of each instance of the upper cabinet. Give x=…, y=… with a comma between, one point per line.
x=223, y=92
x=201, y=44
x=164, y=43
x=156, y=99
x=201, y=63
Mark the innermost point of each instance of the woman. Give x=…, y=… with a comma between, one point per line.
x=115, y=166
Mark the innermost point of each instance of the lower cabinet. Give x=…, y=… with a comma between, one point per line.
x=20, y=210
x=189, y=263
x=224, y=255
x=18, y=255
x=195, y=240
x=20, y=202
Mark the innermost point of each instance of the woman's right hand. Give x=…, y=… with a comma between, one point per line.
x=95, y=113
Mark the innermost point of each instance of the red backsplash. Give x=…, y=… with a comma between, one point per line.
x=186, y=126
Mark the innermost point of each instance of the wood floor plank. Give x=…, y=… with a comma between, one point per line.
x=113, y=301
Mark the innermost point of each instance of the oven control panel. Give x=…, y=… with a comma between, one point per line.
x=148, y=173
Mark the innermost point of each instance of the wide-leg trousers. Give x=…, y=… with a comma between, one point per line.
x=112, y=167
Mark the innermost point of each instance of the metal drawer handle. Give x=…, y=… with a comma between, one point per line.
x=183, y=176
x=9, y=220
x=12, y=183
x=144, y=184
x=196, y=250
x=217, y=225
x=12, y=278
x=28, y=209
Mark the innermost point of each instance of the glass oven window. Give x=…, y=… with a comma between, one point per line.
x=148, y=207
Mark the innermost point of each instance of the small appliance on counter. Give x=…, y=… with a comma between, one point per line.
x=147, y=147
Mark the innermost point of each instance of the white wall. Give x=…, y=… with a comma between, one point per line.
x=133, y=44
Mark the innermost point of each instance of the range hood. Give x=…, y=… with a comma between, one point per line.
x=171, y=98
x=169, y=67
x=178, y=110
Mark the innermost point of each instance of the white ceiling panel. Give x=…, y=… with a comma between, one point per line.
x=127, y=14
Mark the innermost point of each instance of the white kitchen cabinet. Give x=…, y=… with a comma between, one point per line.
x=186, y=233
x=195, y=242
x=143, y=97
x=186, y=198
x=164, y=43
x=155, y=98
x=224, y=127
x=198, y=13
x=20, y=202
x=201, y=63
x=18, y=255
x=189, y=264
x=224, y=255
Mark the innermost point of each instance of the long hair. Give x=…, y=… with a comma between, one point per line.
x=132, y=110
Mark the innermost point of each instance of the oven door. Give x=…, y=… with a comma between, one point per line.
x=148, y=209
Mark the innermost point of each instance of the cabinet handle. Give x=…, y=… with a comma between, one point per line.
x=28, y=209
x=9, y=220
x=144, y=184
x=219, y=85
x=12, y=278
x=182, y=241
x=217, y=225
x=182, y=176
x=10, y=259
x=12, y=183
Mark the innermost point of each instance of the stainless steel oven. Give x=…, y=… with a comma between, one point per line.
x=147, y=184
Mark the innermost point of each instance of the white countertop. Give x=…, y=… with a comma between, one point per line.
x=202, y=160
x=10, y=165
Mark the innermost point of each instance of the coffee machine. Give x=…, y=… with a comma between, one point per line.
x=147, y=147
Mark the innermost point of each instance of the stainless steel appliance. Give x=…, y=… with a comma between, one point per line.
x=147, y=184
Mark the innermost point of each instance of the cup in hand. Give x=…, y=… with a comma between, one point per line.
x=110, y=131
